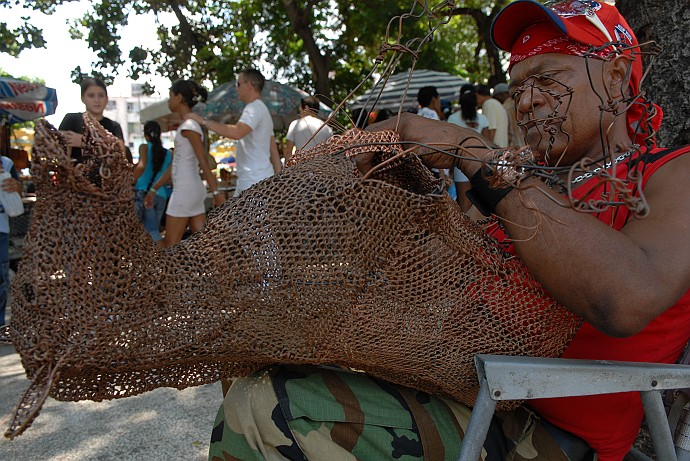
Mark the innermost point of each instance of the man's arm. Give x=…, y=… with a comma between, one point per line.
x=238, y=131
x=275, y=156
x=617, y=281
x=13, y=183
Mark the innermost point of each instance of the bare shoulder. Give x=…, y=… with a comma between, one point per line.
x=663, y=233
x=672, y=180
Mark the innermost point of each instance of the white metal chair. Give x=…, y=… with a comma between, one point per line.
x=524, y=378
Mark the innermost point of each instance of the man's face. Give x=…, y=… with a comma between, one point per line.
x=480, y=100
x=435, y=103
x=557, y=108
x=243, y=88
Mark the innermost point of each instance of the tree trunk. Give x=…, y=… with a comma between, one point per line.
x=483, y=22
x=666, y=22
x=300, y=19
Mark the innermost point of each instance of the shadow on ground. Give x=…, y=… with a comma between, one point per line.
x=164, y=424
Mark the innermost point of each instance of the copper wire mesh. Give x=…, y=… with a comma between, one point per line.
x=312, y=266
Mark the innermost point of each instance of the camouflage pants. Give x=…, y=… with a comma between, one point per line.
x=309, y=413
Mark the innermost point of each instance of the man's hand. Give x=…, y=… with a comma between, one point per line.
x=436, y=135
x=12, y=185
x=196, y=117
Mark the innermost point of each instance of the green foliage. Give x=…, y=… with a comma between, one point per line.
x=213, y=40
x=14, y=41
x=4, y=73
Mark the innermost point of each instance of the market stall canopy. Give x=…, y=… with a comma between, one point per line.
x=448, y=87
x=224, y=105
x=22, y=101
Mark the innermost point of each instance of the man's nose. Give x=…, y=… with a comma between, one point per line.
x=528, y=99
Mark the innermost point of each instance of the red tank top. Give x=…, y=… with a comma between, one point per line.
x=610, y=423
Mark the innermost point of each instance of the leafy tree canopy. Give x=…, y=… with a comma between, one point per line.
x=326, y=47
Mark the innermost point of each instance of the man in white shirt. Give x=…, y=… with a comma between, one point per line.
x=308, y=130
x=257, y=154
x=429, y=103
x=514, y=132
x=497, y=115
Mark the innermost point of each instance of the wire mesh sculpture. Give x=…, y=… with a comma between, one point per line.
x=317, y=265
x=312, y=266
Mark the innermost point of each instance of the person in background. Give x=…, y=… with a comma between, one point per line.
x=360, y=118
x=429, y=103
x=128, y=155
x=467, y=117
x=226, y=182
x=257, y=153
x=186, y=207
x=623, y=265
x=383, y=114
x=308, y=130
x=430, y=107
x=501, y=94
x=11, y=184
x=94, y=95
x=496, y=114
x=154, y=161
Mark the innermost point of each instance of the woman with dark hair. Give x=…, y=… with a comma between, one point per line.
x=94, y=95
x=186, y=206
x=467, y=116
x=154, y=161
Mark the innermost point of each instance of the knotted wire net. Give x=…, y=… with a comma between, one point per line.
x=315, y=265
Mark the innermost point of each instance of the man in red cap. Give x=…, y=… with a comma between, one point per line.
x=592, y=207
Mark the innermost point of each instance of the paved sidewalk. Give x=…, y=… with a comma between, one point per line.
x=164, y=424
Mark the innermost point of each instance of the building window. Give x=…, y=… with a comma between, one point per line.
x=112, y=105
x=131, y=107
x=132, y=128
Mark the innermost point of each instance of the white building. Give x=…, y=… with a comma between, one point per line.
x=125, y=110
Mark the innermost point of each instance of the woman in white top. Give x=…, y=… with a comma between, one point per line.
x=186, y=206
x=467, y=117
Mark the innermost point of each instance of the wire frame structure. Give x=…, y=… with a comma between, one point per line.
x=316, y=265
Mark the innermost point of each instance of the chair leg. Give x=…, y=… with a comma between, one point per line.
x=478, y=427
x=658, y=425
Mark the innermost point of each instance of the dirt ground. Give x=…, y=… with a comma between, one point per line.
x=644, y=444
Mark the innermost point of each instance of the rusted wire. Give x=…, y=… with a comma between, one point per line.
x=316, y=265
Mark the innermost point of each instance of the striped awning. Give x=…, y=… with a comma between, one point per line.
x=448, y=87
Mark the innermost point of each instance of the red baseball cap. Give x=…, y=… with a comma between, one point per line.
x=584, y=21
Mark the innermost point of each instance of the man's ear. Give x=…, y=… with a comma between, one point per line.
x=619, y=70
